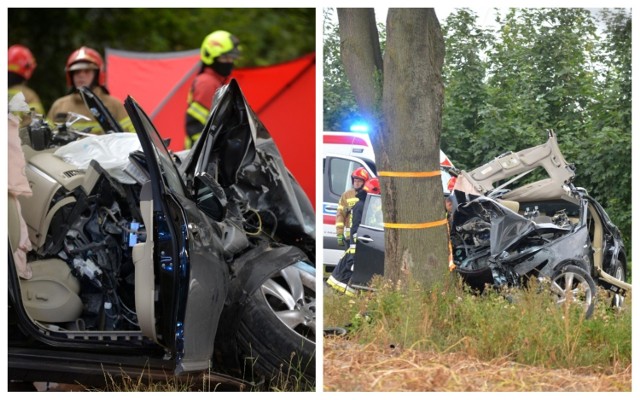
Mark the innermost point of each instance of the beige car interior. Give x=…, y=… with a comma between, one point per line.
x=51, y=295
x=142, y=255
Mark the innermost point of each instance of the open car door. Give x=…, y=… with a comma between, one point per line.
x=369, y=259
x=181, y=277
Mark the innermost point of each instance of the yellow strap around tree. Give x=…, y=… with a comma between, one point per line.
x=426, y=174
x=423, y=225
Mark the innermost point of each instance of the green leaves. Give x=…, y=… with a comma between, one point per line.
x=544, y=69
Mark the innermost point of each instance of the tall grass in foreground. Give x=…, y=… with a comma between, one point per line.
x=287, y=379
x=524, y=326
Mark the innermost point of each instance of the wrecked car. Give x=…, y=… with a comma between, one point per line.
x=509, y=228
x=165, y=264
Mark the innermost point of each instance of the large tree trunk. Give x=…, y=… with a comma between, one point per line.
x=412, y=106
x=405, y=112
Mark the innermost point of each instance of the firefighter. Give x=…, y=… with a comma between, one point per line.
x=341, y=275
x=348, y=200
x=85, y=67
x=218, y=53
x=22, y=63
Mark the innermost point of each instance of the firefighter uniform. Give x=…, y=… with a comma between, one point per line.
x=199, y=102
x=218, y=52
x=73, y=103
x=343, y=221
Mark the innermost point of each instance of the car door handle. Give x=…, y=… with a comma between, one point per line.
x=365, y=239
x=331, y=208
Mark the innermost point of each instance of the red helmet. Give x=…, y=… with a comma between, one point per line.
x=360, y=173
x=372, y=186
x=85, y=58
x=21, y=61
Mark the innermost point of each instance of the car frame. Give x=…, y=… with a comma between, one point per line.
x=507, y=230
x=209, y=297
x=497, y=218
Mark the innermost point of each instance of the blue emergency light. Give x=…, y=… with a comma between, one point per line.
x=359, y=127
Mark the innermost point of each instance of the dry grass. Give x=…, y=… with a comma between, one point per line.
x=349, y=366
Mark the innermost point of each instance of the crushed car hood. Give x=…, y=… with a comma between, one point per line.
x=238, y=151
x=504, y=227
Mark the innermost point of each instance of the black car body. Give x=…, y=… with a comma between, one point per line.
x=218, y=275
x=506, y=229
x=369, y=259
x=509, y=228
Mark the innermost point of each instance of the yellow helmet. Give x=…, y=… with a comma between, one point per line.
x=216, y=44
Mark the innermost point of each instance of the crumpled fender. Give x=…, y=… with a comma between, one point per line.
x=249, y=272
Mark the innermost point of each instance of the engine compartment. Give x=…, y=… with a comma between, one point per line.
x=90, y=221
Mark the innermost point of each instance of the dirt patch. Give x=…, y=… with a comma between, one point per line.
x=352, y=367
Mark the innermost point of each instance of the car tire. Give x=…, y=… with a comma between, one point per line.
x=571, y=279
x=276, y=336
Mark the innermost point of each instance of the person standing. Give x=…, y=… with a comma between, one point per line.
x=346, y=203
x=218, y=52
x=85, y=67
x=22, y=63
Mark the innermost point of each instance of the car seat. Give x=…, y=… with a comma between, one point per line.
x=510, y=204
x=51, y=295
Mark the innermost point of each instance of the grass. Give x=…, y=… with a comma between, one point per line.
x=525, y=327
x=290, y=380
x=392, y=369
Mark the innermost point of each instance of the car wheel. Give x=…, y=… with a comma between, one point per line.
x=619, y=272
x=572, y=284
x=277, y=334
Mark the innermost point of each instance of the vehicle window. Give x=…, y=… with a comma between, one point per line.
x=340, y=174
x=373, y=213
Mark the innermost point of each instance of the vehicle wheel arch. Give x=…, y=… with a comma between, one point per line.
x=248, y=273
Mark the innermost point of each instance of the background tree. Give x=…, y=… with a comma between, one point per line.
x=403, y=105
x=541, y=77
x=604, y=159
x=465, y=72
x=268, y=36
x=339, y=104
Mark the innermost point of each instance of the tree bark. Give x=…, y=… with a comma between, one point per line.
x=406, y=111
x=413, y=95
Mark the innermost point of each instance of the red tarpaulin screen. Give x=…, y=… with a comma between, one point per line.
x=282, y=95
